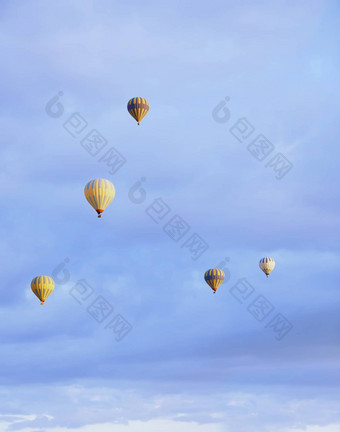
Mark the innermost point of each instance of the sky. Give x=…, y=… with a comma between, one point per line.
x=237, y=159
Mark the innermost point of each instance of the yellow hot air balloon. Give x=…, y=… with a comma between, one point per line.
x=138, y=107
x=214, y=278
x=99, y=193
x=42, y=286
x=267, y=265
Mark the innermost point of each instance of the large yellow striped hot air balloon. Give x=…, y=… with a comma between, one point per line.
x=214, y=278
x=99, y=193
x=138, y=107
x=267, y=265
x=42, y=286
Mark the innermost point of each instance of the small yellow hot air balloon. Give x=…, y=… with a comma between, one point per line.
x=99, y=193
x=214, y=278
x=267, y=265
x=42, y=286
x=138, y=107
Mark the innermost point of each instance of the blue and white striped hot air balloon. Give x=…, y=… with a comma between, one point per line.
x=267, y=265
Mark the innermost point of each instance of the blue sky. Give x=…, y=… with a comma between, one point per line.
x=193, y=361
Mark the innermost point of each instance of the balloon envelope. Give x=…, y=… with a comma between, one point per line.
x=138, y=107
x=99, y=193
x=214, y=278
x=42, y=286
x=267, y=265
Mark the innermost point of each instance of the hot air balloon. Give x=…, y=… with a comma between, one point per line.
x=99, y=193
x=214, y=278
x=42, y=286
x=138, y=108
x=267, y=265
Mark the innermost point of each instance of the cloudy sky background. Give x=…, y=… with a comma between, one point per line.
x=193, y=361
